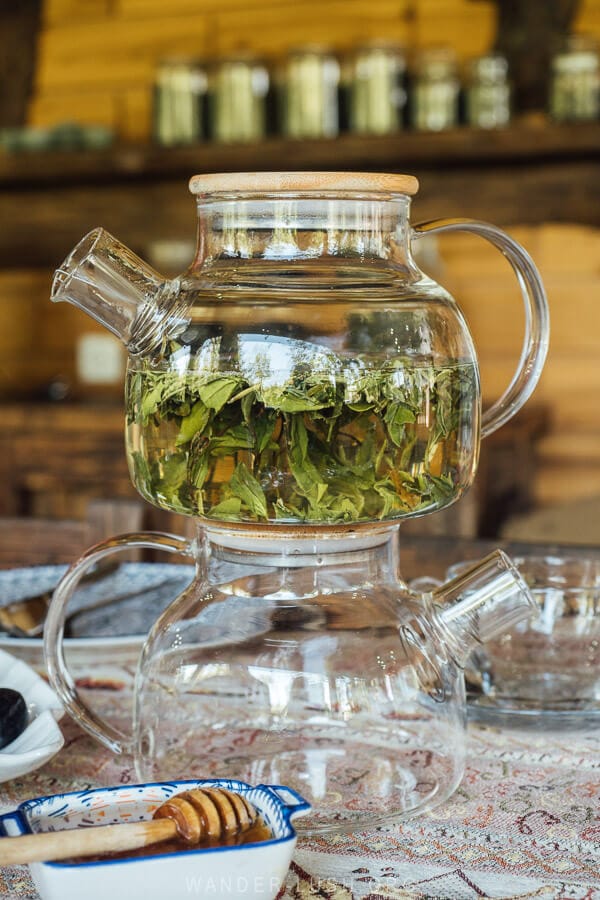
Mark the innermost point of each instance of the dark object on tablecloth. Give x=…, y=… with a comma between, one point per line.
x=13, y=715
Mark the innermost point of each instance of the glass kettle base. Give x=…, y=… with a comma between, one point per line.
x=351, y=784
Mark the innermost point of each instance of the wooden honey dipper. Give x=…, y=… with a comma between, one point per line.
x=192, y=817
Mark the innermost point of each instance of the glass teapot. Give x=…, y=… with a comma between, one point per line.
x=303, y=371
x=317, y=671
x=299, y=391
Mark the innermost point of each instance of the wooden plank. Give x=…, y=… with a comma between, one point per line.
x=494, y=312
x=562, y=483
x=569, y=388
x=29, y=541
x=138, y=214
x=66, y=11
x=587, y=18
x=571, y=447
x=84, y=107
x=468, y=256
x=141, y=8
x=340, y=24
x=466, y=26
x=564, y=249
x=114, y=52
x=38, y=339
x=134, y=114
x=24, y=365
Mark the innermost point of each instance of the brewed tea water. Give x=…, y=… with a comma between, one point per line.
x=282, y=429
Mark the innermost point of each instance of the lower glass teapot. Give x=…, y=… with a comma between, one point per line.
x=305, y=662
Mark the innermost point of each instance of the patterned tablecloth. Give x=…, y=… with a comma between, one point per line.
x=525, y=822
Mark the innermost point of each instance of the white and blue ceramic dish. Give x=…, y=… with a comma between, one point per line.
x=42, y=737
x=246, y=870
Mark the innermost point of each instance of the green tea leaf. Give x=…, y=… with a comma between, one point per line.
x=196, y=421
x=342, y=509
x=198, y=467
x=308, y=480
x=141, y=470
x=226, y=509
x=397, y=415
x=237, y=438
x=151, y=401
x=247, y=403
x=442, y=487
x=361, y=406
x=173, y=477
x=390, y=500
x=217, y=392
x=290, y=400
x=245, y=486
x=298, y=436
x=264, y=426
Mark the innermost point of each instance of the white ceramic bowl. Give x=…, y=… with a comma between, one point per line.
x=246, y=871
x=42, y=737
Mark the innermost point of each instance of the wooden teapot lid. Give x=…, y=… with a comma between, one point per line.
x=313, y=182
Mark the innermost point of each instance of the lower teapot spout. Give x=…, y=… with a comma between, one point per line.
x=483, y=602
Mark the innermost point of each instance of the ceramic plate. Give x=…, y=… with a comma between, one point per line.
x=137, y=591
x=42, y=737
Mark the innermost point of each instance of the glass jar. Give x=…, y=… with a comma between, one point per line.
x=435, y=90
x=375, y=90
x=179, y=100
x=309, y=82
x=237, y=96
x=487, y=92
x=575, y=83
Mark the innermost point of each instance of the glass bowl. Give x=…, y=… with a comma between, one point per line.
x=547, y=668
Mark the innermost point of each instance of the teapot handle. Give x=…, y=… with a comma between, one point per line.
x=537, y=328
x=60, y=678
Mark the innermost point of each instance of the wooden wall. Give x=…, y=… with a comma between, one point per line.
x=568, y=257
x=97, y=57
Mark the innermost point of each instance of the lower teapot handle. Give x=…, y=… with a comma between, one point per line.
x=58, y=673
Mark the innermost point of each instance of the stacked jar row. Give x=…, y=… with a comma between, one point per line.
x=314, y=93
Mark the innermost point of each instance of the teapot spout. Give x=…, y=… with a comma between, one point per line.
x=483, y=602
x=111, y=284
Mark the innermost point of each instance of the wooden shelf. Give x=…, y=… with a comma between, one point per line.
x=521, y=143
